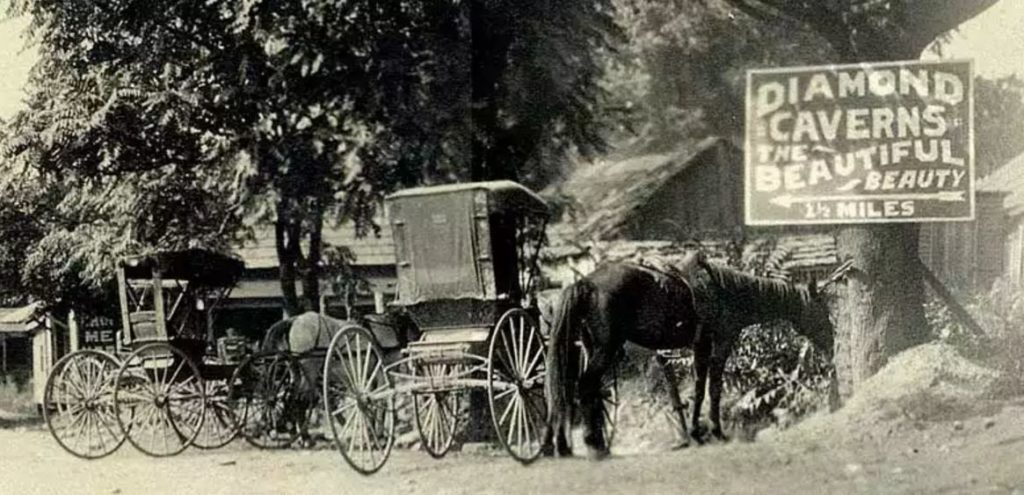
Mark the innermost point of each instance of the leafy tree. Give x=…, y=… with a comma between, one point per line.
x=999, y=121
x=307, y=111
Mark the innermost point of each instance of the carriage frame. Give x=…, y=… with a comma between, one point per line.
x=164, y=388
x=467, y=257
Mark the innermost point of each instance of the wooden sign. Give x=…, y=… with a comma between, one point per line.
x=862, y=143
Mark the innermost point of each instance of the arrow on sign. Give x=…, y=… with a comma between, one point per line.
x=787, y=200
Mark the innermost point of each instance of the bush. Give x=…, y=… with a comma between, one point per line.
x=16, y=395
x=1000, y=314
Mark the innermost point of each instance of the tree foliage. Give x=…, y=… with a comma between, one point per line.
x=170, y=123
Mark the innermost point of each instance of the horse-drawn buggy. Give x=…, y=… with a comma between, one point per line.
x=467, y=264
x=165, y=387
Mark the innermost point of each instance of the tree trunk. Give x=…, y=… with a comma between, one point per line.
x=879, y=308
x=311, y=271
x=287, y=243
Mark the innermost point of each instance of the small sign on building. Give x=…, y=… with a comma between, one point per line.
x=99, y=332
x=860, y=143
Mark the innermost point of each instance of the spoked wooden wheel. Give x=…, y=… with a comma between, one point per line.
x=609, y=394
x=437, y=413
x=78, y=404
x=359, y=400
x=220, y=426
x=516, y=372
x=264, y=395
x=160, y=400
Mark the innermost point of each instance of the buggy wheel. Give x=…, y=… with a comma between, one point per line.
x=516, y=371
x=263, y=392
x=78, y=404
x=609, y=394
x=220, y=427
x=160, y=400
x=359, y=400
x=437, y=413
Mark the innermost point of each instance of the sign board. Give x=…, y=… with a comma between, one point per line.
x=99, y=332
x=861, y=143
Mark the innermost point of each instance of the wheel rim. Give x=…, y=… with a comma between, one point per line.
x=515, y=388
x=359, y=400
x=160, y=400
x=609, y=395
x=265, y=395
x=78, y=404
x=437, y=413
x=219, y=426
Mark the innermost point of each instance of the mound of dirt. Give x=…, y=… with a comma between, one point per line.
x=927, y=383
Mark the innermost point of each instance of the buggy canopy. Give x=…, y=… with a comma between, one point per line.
x=198, y=266
x=446, y=237
x=504, y=196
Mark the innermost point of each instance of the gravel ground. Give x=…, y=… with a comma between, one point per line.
x=981, y=455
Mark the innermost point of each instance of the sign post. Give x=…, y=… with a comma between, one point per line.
x=861, y=143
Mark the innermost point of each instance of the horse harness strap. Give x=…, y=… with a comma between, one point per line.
x=671, y=277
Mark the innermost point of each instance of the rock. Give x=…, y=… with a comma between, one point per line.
x=853, y=468
x=897, y=470
x=990, y=422
x=958, y=425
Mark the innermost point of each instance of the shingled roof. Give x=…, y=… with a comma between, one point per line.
x=370, y=250
x=1009, y=179
x=608, y=193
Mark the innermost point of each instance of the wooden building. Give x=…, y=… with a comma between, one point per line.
x=971, y=255
x=256, y=303
x=621, y=208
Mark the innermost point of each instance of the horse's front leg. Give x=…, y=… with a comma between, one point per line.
x=701, y=358
x=718, y=358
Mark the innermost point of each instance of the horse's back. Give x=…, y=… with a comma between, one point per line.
x=655, y=309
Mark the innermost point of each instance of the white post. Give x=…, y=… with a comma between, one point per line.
x=73, y=330
x=378, y=302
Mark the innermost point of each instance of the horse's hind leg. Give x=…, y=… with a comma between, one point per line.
x=701, y=357
x=718, y=358
x=673, y=397
x=555, y=440
x=592, y=405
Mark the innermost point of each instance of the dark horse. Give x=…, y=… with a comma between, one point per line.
x=705, y=308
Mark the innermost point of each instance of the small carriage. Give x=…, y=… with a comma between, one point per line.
x=467, y=263
x=166, y=387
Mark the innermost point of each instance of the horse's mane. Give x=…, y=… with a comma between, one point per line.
x=783, y=295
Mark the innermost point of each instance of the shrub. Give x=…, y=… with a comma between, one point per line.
x=1000, y=314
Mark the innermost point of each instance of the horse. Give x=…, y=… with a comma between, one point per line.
x=704, y=308
x=306, y=338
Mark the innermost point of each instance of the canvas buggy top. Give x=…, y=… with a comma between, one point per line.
x=166, y=295
x=466, y=252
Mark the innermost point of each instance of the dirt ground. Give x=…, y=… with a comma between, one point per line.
x=983, y=455
x=908, y=431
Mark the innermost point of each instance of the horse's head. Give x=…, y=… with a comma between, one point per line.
x=816, y=320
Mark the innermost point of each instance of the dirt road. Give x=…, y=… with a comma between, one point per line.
x=982, y=455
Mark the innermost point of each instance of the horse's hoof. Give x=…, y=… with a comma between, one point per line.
x=720, y=436
x=597, y=454
x=564, y=452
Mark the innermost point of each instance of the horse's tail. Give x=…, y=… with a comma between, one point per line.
x=562, y=368
x=276, y=337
